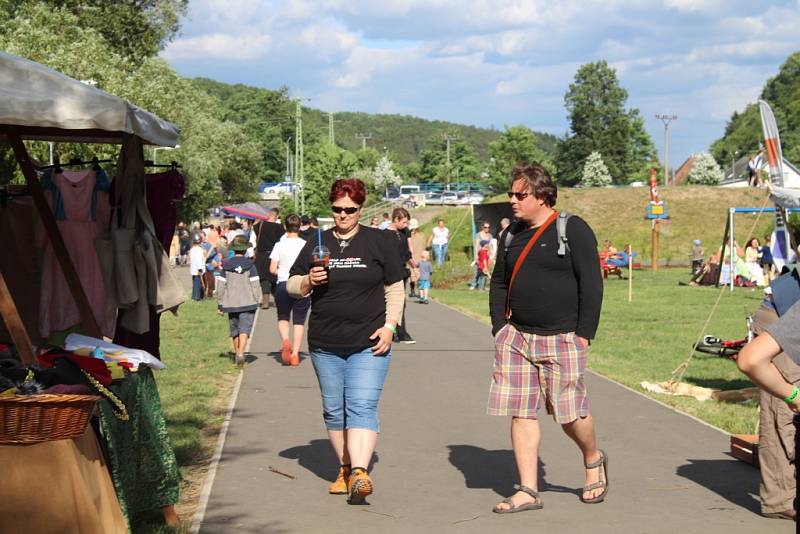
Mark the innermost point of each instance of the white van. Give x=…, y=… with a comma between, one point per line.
x=408, y=190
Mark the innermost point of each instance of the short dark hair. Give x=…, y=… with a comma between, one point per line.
x=400, y=213
x=539, y=181
x=313, y=221
x=292, y=223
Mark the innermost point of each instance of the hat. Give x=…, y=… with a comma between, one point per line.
x=413, y=224
x=239, y=244
x=197, y=238
x=696, y=241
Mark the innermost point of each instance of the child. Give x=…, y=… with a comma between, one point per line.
x=425, y=268
x=238, y=293
x=197, y=266
x=482, y=268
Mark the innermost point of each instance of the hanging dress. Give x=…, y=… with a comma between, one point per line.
x=79, y=200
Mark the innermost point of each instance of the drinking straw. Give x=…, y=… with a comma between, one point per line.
x=319, y=236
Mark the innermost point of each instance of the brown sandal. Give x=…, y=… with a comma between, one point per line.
x=512, y=509
x=602, y=483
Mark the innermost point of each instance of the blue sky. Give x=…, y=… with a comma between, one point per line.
x=498, y=62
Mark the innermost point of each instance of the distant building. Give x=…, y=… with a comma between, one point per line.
x=737, y=176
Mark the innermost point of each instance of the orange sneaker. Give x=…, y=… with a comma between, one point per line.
x=286, y=352
x=294, y=360
x=359, y=486
x=339, y=486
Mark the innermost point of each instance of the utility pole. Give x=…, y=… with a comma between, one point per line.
x=298, y=155
x=287, y=176
x=363, y=138
x=331, y=134
x=666, y=119
x=449, y=139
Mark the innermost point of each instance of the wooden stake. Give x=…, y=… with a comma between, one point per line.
x=88, y=320
x=14, y=324
x=654, y=256
x=630, y=275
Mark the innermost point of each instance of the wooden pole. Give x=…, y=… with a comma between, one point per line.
x=654, y=256
x=630, y=275
x=88, y=321
x=14, y=324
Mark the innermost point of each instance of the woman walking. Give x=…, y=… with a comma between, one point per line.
x=482, y=238
x=356, y=288
x=284, y=254
x=440, y=237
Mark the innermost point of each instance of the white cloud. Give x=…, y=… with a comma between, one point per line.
x=496, y=61
x=219, y=45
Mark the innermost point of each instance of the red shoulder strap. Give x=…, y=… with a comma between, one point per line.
x=524, y=254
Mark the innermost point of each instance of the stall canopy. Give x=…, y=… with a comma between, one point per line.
x=41, y=103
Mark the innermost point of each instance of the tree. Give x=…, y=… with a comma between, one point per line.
x=464, y=164
x=599, y=122
x=705, y=171
x=135, y=29
x=383, y=176
x=518, y=144
x=595, y=172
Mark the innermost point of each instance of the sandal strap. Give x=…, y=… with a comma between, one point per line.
x=596, y=485
x=598, y=463
x=526, y=489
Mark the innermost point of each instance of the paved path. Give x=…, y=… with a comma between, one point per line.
x=441, y=464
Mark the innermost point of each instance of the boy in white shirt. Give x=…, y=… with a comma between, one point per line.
x=197, y=266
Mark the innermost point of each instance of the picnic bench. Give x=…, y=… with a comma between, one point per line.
x=612, y=268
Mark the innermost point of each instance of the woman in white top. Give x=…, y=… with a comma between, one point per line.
x=751, y=259
x=440, y=236
x=282, y=258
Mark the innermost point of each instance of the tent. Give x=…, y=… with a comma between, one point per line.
x=247, y=210
x=39, y=103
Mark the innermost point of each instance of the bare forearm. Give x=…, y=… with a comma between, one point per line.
x=755, y=361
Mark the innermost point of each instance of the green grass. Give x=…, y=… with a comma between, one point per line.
x=193, y=389
x=649, y=337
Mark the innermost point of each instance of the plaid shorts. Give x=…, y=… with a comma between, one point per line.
x=528, y=367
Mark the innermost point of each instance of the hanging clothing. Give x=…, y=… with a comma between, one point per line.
x=79, y=200
x=164, y=190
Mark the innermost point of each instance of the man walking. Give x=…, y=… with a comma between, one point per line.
x=545, y=307
x=268, y=233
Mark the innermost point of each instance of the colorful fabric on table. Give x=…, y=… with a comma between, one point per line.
x=142, y=462
x=93, y=366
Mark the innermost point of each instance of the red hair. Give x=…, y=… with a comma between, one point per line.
x=348, y=187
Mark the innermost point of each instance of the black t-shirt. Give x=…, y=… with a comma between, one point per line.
x=267, y=233
x=352, y=305
x=551, y=294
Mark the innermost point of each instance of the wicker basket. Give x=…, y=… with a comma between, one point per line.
x=26, y=419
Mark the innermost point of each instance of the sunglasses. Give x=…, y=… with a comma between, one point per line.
x=339, y=209
x=519, y=195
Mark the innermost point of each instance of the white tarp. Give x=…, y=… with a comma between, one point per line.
x=33, y=96
x=786, y=198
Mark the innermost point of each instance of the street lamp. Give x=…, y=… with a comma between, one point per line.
x=156, y=149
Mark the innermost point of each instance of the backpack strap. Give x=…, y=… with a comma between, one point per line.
x=524, y=254
x=561, y=231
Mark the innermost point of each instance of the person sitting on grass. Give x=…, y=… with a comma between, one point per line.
x=425, y=269
x=238, y=294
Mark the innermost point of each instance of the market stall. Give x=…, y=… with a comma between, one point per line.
x=127, y=286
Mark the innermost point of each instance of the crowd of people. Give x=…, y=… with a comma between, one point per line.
x=753, y=266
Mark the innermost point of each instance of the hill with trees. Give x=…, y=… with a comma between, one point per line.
x=743, y=132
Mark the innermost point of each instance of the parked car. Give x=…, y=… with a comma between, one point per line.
x=450, y=197
x=474, y=197
x=280, y=188
x=433, y=198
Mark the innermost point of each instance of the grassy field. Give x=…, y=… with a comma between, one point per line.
x=649, y=337
x=194, y=393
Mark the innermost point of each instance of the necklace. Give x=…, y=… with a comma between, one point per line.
x=343, y=242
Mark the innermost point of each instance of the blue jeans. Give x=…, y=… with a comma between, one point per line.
x=197, y=287
x=351, y=384
x=478, y=280
x=440, y=253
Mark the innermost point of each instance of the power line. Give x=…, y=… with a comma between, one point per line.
x=363, y=138
x=666, y=119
